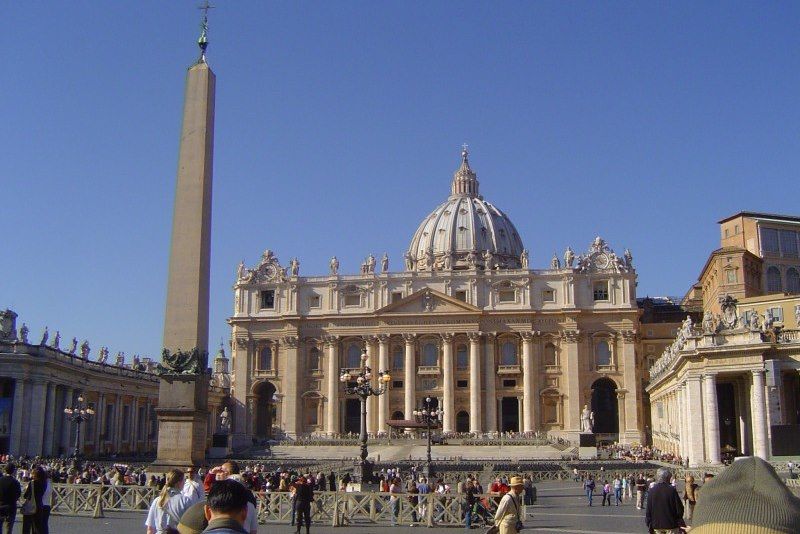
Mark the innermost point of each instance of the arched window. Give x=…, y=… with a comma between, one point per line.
x=430, y=355
x=398, y=359
x=508, y=353
x=792, y=280
x=397, y=416
x=774, y=280
x=313, y=359
x=462, y=357
x=265, y=359
x=550, y=354
x=602, y=353
x=353, y=357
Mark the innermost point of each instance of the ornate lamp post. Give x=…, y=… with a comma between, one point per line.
x=430, y=415
x=78, y=413
x=364, y=390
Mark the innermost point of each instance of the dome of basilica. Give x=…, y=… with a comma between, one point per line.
x=465, y=232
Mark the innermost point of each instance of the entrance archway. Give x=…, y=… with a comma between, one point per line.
x=265, y=410
x=605, y=407
x=509, y=414
x=352, y=416
x=462, y=421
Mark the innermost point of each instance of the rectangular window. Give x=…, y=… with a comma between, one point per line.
x=462, y=359
x=461, y=383
x=398, y=361
x=314, y=301
x=549, y=295
x=397, y=384
x=461, y=295
x=600, y=290
x=397, y=295
x=268, y=299
x=777, y=314
x=507, y=295
x=509, y=383
x=352, y=300
x=312, y=414
x=731, y=276
x=727, y=232
x=789, y=243
x=550, y=411
x=769, y=240
x=736, y=230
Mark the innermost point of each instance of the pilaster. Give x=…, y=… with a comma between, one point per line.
x=572, y=371
x=292, y=412
x=633, y=427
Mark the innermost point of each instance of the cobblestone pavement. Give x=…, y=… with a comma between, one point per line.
x=561, y=508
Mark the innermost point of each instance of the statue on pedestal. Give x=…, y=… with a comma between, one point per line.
x=587, y=420
x=85, y=349
x=294, y=267
x=569, y=258
x=385, y=263
x=409, y=261
x=74, y=347
x=8, y=325
x=57, y=340
x=554, y=263
x=225, y=421
x=23, y=333
x=45, y=337
x=334, y=266
x=523, y=259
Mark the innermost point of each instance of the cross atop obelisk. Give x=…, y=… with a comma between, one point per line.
x=202, y=42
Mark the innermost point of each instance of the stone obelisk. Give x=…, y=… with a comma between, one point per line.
x=183, y=392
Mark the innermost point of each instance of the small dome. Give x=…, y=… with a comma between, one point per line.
x=465, y=231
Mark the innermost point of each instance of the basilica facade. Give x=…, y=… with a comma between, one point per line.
x=499, y=345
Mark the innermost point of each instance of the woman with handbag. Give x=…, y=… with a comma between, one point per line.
x=33, y=507
x=508, y=518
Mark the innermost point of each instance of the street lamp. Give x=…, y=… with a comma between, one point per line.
x=430, y=415
x=364, y=390
x=78, y=413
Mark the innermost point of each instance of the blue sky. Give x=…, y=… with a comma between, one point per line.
x=339, y=125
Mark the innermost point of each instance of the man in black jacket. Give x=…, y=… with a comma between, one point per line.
x=10, y=491
x=664, y=506
x=304, y=495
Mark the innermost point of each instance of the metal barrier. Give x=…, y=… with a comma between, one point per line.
x=82, y=499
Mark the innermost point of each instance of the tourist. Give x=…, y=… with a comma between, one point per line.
x=423, y=489
x=226, y=508
x=192, y=488
x=606, y=493
x=304, y=496
x=332, y=481
x=631, y=484
x=10, y=492
x=689, y=496
x=641, y=488
x=34, y=522
x=193, y=520
x=664, y=507
x=588, y=487
x=508, y=516
x=790, y=467
x=166, y=509
x=413, y=499
x=394, y=500
x=471, y=503
x=617, y=490
x=747, y=497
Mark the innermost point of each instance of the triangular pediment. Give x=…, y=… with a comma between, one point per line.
x=428, y=301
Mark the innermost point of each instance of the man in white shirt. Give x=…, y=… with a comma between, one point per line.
x=192, y=488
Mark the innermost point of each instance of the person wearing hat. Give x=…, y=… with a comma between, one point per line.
x=193, y=520
x=508, y=517
x=747, y=498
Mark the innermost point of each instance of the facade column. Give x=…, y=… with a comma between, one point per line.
x=621, y=410
x=66, y=426
x=681, y=421
x=527, y=382
x=633, y=430
x=383, y=400
x=409, y=383
x=133, y=434
x=474, y=382
x=536, y=369
x=36, y=423
x=17, y=414
x=292, y=413
x=448, y=385
x=491, y=382
x=758, y=409
x=332, y=414
x=372, y=401
x=743, y=409
x=571, y=374
x=50, y=419
x=694, y=408
x=118, y=423
x=712, y=418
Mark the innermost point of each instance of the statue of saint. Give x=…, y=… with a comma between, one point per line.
x=523, y=258
x=225, y=420
x=488, y=260
x=23, y=333
x=85, y=349
x=569, y=258
x=385, y=263
x=294, y=267
x=628, y=258
x=240, y=271
x=587, y=420
x=708, y=322
x=409, y=261
x=334, y=266
x=57, y=340
x=471, y=259
x=74, y=347
x=45, y=336
x=448, y=261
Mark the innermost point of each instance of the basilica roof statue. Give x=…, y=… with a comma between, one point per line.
x=465, y=231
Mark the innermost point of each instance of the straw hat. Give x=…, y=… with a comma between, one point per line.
x=516, y=481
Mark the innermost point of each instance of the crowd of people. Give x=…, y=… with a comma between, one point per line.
x=638, y=453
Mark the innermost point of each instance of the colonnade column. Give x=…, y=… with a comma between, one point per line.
x=448, y=389
x=383, y=365
x=409, y=382
x=490, y=377
x=36, y=422
x=711, y=418
x=474, y=382
x=16, y=448
x=332, y=415
x=681, y=420
x=50, y=419
x=527, y=382
x=759, y=413
x=292, y=423
x=694, y=422
x=571, y=368
x=66, y=426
